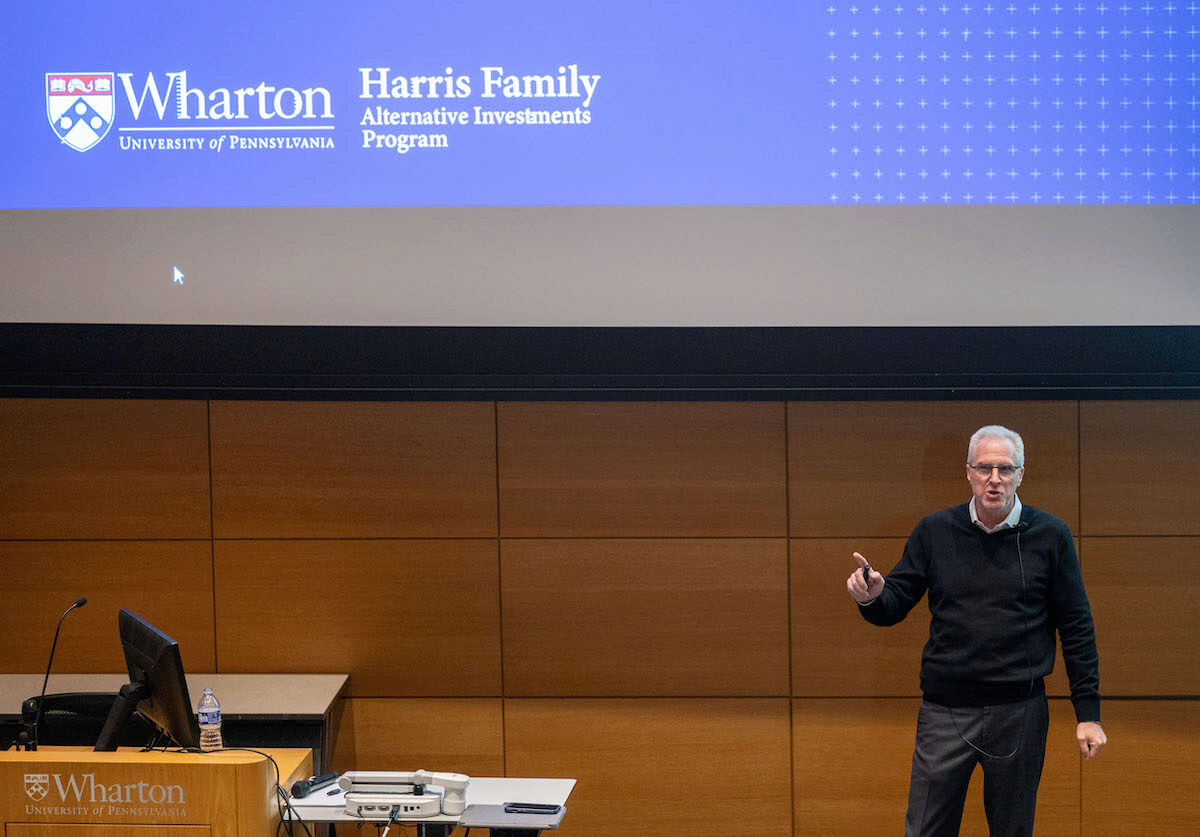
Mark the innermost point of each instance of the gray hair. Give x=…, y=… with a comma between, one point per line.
x=995, y=431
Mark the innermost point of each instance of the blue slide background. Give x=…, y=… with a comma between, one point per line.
x=698, y=103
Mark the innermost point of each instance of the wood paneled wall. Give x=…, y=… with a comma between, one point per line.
x=648, y=597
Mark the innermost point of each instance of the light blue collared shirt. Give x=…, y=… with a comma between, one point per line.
x=1010, y=522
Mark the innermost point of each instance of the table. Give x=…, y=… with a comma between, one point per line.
x=485, y=798
x=257, y=710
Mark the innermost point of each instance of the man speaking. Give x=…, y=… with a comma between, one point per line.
x=1002, y=578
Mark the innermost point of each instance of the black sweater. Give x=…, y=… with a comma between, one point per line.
x=996, y=601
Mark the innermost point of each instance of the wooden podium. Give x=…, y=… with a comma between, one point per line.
x=72, y=792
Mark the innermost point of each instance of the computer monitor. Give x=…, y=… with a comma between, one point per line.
x=156, y=689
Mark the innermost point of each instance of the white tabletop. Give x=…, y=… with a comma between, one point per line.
x=329, y=804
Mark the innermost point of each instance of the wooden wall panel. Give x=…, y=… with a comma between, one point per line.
x=169, y=583
x=1138, y=463
x=835, y=652
x=853, y=759
x=1148, y=780
x=1145, y=597
x=641, y=637
x=658, y=766
x=331, y=470
x=874, y=470
x=403, y=617
x=104, y=830
x=103, y=469
x=623, y=617
x=462, y=735
x=660, y=469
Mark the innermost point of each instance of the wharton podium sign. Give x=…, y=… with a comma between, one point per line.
x=73, y=794
x=231, y=793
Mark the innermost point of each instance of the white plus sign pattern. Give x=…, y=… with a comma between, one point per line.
x=1007, y=103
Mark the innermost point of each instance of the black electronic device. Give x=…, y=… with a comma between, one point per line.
x=73, y=718
x=304, y=787
x=156, y=689
x=531, y=808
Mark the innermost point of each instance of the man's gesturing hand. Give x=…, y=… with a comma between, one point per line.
x=864, y=584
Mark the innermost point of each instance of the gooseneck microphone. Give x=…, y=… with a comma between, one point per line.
x=31, y=743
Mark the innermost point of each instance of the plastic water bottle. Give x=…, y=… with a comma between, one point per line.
x=208, y=712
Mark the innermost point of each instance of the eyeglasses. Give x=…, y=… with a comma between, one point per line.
x=1006, y=471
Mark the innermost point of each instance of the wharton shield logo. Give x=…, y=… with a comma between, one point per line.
x=37, y=785
x=80, y=107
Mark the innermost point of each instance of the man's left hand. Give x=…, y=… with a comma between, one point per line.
x=1091, y=739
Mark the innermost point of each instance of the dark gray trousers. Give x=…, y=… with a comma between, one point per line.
x=1009, y=740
